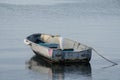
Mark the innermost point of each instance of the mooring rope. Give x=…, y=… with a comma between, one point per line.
x=114, y=63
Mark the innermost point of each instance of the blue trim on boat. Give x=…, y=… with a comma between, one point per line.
x=50, y=45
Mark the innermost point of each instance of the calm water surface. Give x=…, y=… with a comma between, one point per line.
x=95, y=23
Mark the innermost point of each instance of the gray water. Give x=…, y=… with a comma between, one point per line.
x=95, y=23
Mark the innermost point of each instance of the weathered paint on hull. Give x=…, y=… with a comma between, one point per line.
x=59, y=56
x=85, y=60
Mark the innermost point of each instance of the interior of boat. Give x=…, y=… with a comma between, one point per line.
x=57, y=42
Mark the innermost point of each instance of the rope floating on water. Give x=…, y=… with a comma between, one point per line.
x=114, y=63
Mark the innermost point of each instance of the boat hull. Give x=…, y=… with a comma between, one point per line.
x=65, y=58
x=55, y=55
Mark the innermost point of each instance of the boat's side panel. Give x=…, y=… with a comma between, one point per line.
x=41, y=50
x=58, y=55
x=67, y=56
x=79, y=55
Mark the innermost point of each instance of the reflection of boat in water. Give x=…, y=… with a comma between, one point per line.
x=60, y=71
